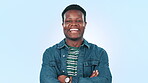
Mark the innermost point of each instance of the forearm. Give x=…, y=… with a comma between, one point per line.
x=48, y=80
x=48, y=72
x=47, y=76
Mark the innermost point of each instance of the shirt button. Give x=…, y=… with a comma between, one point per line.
x=63, y=55
x=63, y=71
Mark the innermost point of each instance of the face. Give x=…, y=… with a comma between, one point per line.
x=74, y=25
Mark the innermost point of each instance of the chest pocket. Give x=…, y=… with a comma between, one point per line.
x=89, y=67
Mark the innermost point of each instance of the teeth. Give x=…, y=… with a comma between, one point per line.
x=73, y=29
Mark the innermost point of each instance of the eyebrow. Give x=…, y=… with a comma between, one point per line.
x=71, y=18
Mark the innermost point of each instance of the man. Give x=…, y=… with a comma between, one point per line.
x=74, y=60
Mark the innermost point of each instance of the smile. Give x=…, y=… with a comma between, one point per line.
x=73, y=29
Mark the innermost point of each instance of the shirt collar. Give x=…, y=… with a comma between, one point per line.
x=63, y=44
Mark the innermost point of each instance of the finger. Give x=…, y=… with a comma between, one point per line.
x=93, y=74
x=96, y=73
x=70, y=80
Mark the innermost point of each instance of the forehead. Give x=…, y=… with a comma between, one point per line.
x=73, y=13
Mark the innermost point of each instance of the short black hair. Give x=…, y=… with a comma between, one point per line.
x=74, y=7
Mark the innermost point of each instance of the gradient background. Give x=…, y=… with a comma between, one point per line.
x=28, y=27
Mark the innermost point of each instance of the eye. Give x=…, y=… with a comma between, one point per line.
x=68, y=21
x=79, y=21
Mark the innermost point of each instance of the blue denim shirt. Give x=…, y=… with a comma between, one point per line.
x=91, y=57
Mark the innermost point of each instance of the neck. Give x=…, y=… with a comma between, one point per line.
x=72, y=43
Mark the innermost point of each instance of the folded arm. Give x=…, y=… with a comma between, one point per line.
x=104, y=75
x=48, y=72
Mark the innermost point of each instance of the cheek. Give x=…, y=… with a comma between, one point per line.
x=65, y=25
x=82, y=26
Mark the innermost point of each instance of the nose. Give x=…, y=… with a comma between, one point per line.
x=74, y=23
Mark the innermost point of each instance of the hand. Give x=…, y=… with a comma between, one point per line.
x=94, y=74
x=61, y=78
x=70, y=80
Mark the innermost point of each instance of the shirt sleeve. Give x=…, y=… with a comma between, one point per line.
x=48, y=72
x=104, y=72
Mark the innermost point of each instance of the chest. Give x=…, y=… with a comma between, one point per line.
x=88, y=60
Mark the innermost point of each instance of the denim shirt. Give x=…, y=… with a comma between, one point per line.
x=91, y=57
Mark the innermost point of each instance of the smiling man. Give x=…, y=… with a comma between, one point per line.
x=74, y=60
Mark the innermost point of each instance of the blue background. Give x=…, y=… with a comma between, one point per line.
x=28, y=27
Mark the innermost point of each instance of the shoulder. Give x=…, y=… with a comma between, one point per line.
x=52, y=48
x=95, y=47
x=49, y=53
x=95, y=52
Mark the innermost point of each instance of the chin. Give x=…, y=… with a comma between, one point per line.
x=74, y=39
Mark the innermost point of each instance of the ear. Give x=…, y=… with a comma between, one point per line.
x=63, y=24
x=85, y=24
